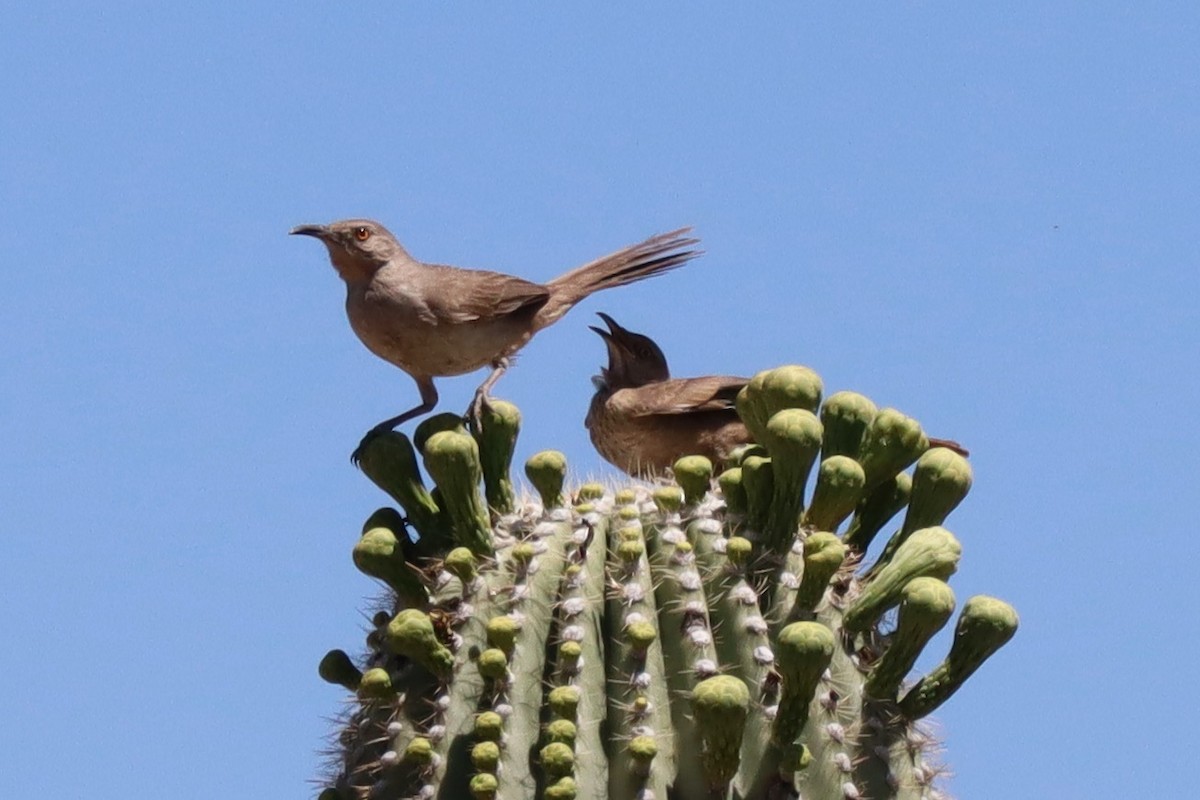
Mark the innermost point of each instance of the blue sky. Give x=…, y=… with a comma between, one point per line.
x=985, y=216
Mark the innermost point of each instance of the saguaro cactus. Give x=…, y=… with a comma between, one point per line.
x=714, y=639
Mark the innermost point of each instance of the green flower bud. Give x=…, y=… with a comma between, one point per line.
x=640, y=636
x=546, y=471
x=624, y=497
x=562, y=730
x=337, y=668
x=460, y=562
x=419, y=752
x=941, y=480
x=375, y=684
x=411, y=634
x=485, y=756
x=693, y=474
x=569, y=654
x=738, y=550
x=389, y=461
x=925, y=606
x=564, y=701
x=380, y=555
x=840, y=482
x=437, y=423
x=985, y=625
x=876, y=509
x=803, y=652
x=493, y=664
x=846, y=417
x=720, y=705
x=732, y=490
x=489, y=726
x=497, y=440
x=484, y=786
x=929, y=552
x=771, y=391
x=589, y=492
x=668, y=499
x=452, y=459
x=758, y=479
x=823, y=556
x=630, y=551
x=558, y=760
x=890, y=444
x=502, y=633
x=793, y=436
x=562, y=789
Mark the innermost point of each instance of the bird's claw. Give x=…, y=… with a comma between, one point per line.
x=473, y=419
x=371, y=435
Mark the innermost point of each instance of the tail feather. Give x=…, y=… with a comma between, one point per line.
x=656, y=255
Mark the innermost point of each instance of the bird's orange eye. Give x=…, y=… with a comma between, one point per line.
x=362, y=233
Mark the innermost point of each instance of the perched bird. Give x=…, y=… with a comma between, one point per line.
x=642, y=420
x=433, y=321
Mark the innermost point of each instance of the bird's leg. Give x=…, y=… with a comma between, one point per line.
x=429, y=398
x=474, y=415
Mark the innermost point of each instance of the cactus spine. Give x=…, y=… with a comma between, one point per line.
x=709, y=640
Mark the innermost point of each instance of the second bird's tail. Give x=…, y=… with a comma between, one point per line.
x=656, y=255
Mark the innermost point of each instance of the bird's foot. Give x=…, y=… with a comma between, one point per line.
x=370, y=436
x=474, y=416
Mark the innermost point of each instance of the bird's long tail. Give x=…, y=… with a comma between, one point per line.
x=656, y=255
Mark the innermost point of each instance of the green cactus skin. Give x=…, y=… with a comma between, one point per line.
x=686, y=642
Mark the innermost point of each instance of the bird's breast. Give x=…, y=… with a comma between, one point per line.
x=397, y=326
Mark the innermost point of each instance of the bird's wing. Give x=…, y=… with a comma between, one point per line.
x=679, y=396
x=471, y=294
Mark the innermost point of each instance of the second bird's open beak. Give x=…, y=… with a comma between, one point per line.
x=316, y=231
x=612, y=341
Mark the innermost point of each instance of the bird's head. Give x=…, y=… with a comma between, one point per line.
x=357, y=247
x=633, y=359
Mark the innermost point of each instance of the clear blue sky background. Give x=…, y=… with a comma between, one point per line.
x=985, y=216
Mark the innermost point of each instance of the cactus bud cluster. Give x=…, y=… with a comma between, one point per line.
x=719, y=637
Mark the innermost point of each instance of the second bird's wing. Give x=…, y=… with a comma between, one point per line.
x=472, y=294
x=679, y=396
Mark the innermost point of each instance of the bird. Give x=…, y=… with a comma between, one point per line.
x=434, y=321
x=641, y=420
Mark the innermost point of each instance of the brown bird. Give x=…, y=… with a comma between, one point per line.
x=642, y=420
x=433, y=321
